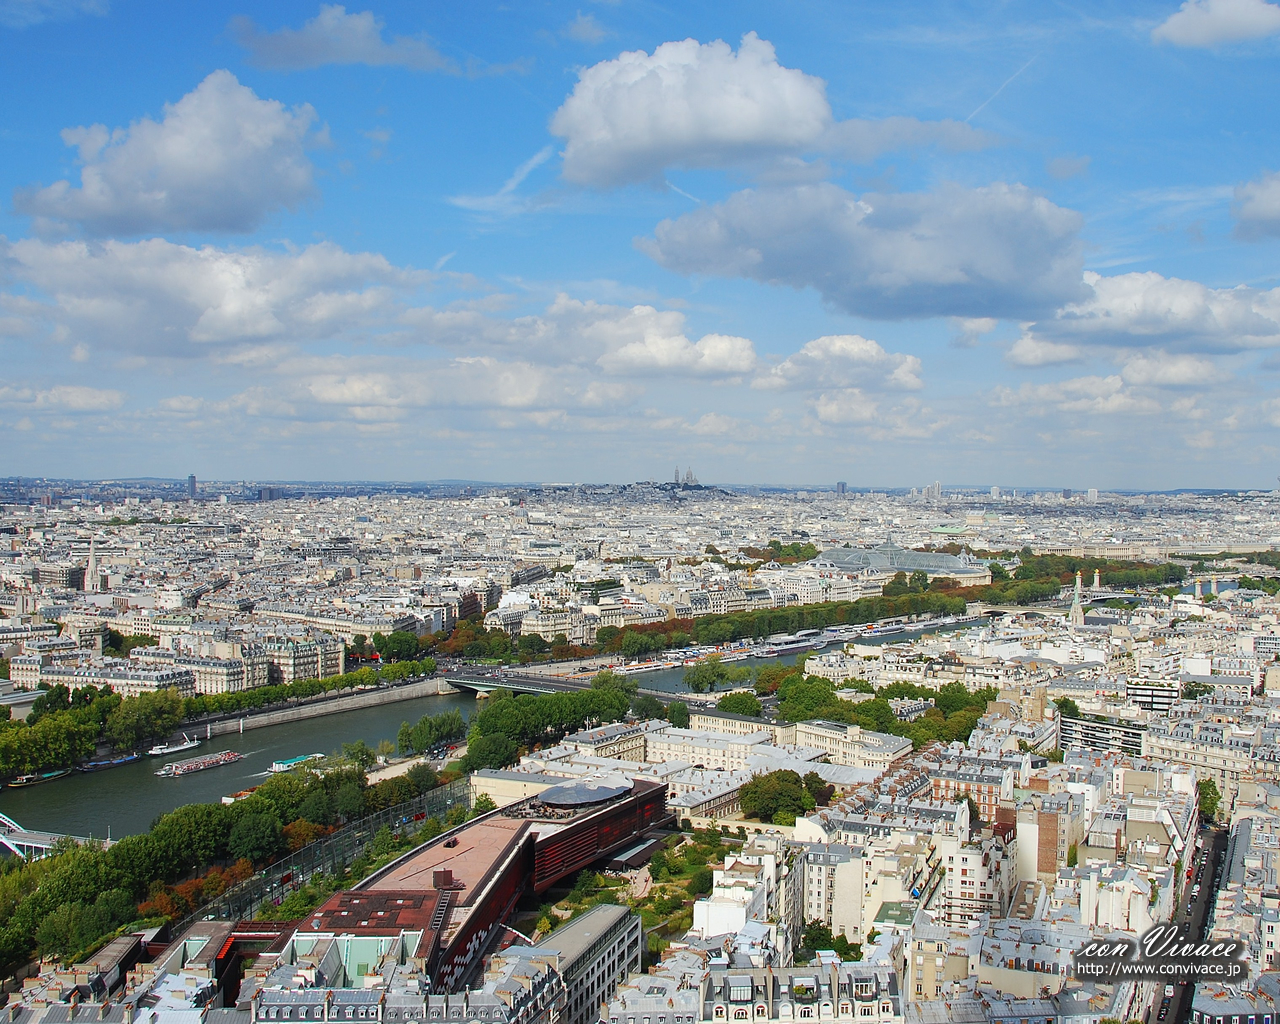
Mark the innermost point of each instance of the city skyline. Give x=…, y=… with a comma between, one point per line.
x=886, y=246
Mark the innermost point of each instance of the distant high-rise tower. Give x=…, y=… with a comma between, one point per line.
x=1093, y=494
x=191, y=487
x=995, y=491
x=1066, y=494
x=841, y=487
x=677, y=474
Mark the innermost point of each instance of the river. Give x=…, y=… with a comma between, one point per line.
x=127, y=799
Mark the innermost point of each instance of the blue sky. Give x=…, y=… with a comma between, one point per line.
x=1016, y=243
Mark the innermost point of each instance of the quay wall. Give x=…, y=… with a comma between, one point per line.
x=317, y=707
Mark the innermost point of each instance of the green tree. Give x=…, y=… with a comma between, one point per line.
x=700, y=882
x=349, y=801
x=781, y=792
x=740, y=704
x=678, y=714
x=423, y=778
x=256, y=837
x=1068, y=707
x=644, y=706
x=615, y=681
x=496, y=751
x=1209, y=797
x=484, y=803
x=400, y=646
x=358, y=753
x=317, y=808
x=711, y=672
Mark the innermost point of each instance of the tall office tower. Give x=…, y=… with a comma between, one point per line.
x=1093, y=494
x=191, y=487
x=841, y=487
x=995, y=491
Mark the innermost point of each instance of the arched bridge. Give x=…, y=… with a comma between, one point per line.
x=517, y=682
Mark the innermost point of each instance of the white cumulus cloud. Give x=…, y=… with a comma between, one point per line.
x=1211, y=23
x=1147, y=310
x=841, y=361
x=1030, y=351
x=691, y=104
x=220, y=159
x=335, y=37
x=998, y=251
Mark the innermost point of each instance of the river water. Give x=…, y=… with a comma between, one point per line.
x=126, y=800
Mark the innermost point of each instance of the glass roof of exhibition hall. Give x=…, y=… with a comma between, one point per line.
x=890, y=556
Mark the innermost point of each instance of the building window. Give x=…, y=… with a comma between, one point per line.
x=806, y=1011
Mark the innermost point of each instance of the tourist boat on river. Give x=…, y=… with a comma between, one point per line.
x=38, y=777
x=805, y=640
x=165, y=749
x=198, y=764
x=288, y=765
x=110, y=762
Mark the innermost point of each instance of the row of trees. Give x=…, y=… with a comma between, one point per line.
x=430, y=731
x=508, y=723
x=279, y=693
x=60, y=905
x=65, y=726
x=400, y=645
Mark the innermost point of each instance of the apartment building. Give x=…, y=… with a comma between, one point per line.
x=289, y=660
x=594, y=954
x=851, y=744
x=1097, y=732
x=988, y=787
x=704, y=749
x=1218, y=750
x=849, y=993
x=782, y=733
x=125, y=677
x=980, y=877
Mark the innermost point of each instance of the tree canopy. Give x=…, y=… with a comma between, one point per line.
x=740, y=704
x=778, y=797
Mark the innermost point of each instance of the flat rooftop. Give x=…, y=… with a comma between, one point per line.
x=381, y=912
x=480, y=847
